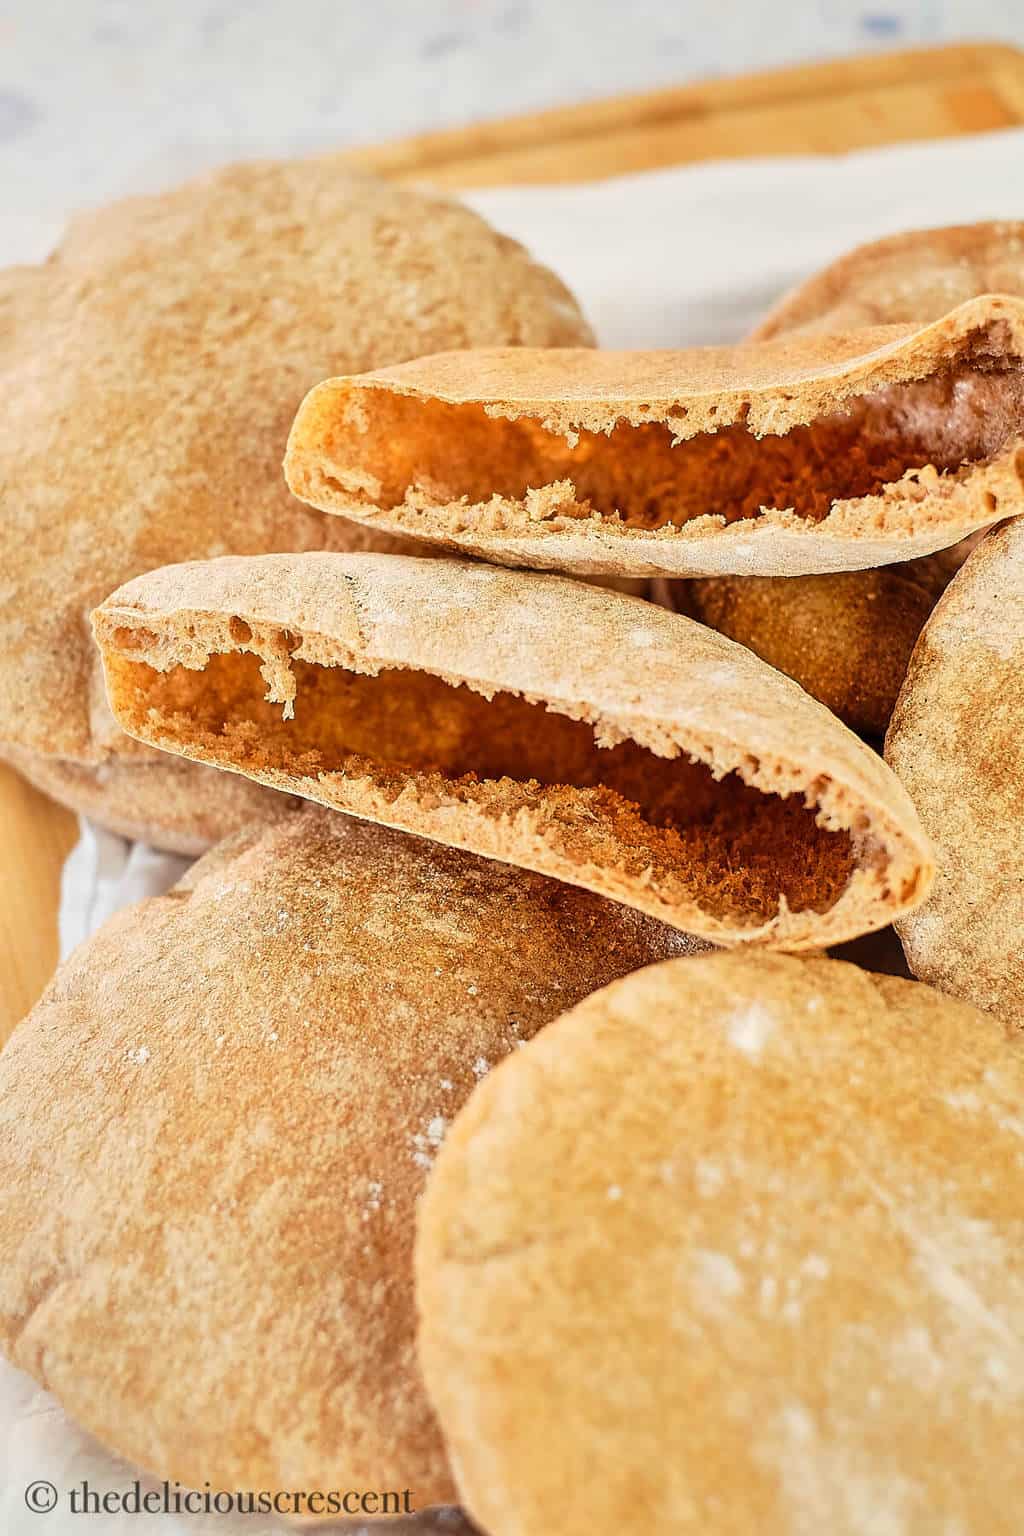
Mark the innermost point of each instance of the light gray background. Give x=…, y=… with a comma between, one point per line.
x=98, y=96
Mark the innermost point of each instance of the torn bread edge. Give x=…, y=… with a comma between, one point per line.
x=626, y=667
x=772, y=387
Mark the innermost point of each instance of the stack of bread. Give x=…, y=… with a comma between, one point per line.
x=482, y=1120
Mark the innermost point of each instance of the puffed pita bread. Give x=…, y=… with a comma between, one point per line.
x=734, y=1246
x=865, y=449
x=903, y=279
x=597, y=737
x=151, y=370
x=957, y=742
x=216, y=1124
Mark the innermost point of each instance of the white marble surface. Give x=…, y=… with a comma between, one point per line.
x=99, y=97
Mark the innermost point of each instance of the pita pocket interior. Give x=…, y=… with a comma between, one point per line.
x=215, y=1125
x=580, y=732
x=957, y=742
x=847, y=638
x=784, y=458
x=749, y=1227
x=151, y=370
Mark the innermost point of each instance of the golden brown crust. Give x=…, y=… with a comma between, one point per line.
x=794, y=457
x=216, y=1123
x=713, y=794
x=845, y=638
x=903, y=279
x=747, y=1227
x=152, y=367
x=957, y=742
x=166, y=801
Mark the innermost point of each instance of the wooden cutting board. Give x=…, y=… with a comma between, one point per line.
x=823, y=108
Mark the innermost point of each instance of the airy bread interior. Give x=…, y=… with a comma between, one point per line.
x=731, y=849
x=399, y=448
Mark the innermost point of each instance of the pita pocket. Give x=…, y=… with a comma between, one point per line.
x=957, y=742
x=151, y=370
x=733, y=1246
x=215, y=1127
x=576, y=731
x=790, y=458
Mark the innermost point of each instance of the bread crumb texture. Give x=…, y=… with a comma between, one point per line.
x=580, y=732
x=793, y=457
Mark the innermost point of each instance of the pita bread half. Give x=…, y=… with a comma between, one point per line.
x=957, y=742
x=790, y=458
x=734, y=1246
x=216, y=1123
x=904, y=279
x=576, y=731
x=151, y=370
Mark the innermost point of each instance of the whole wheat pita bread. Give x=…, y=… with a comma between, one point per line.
x=216, y=1124
x=734, y=1246
x=595, y=737
x=957, y=742
x=845, y=638
x=151, y=370
x=165, y=801
x=787, y=458
x=903, y=279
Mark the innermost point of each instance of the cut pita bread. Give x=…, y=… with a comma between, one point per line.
x=790, y=458
x=545, y=722
x=151, y=370
x=957, y=742
x=904, y=279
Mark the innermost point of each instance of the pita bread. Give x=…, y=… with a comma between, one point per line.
x=580, y=732
x=790, y=458
x=216, y=1124
x=957, y=742
x=904, y=279
x=151, y=369
x=845, y=638
x=734, y=1247
x=197, y=808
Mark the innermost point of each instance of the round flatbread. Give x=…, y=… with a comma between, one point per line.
x=735, y=1246
x=914, y=276
x=957, y=742
x=162, y=800
x=845, y=638
x=216, y=1123
x=151, y=370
